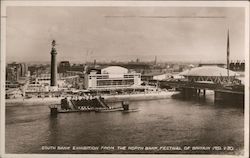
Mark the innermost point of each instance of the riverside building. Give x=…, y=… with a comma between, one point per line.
x=112, y=77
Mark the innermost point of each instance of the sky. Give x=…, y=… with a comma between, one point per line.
x=124, y=33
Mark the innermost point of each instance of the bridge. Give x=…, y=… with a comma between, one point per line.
x=224, y=83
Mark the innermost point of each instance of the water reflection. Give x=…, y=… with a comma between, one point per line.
x=174, y=122
x=53, y=130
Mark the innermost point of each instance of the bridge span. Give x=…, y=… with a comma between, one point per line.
x=224, y=83
x=230, y=93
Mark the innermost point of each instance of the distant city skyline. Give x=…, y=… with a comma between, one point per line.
x=125, y=33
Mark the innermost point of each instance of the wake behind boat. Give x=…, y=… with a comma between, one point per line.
x=110, y=109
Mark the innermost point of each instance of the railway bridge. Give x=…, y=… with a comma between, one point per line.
x=224, y=83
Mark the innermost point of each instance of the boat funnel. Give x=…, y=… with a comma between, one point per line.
x=125, y=105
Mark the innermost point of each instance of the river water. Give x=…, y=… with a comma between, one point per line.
x=167, y=126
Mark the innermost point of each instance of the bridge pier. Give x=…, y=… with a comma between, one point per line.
x=199, y=92
x=232, y=94
x=188, y=93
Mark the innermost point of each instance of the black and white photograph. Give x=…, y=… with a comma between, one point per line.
x=125, y=78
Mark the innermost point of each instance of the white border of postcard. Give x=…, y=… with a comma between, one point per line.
x=5, y=4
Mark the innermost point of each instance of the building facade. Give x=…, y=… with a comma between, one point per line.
x=237, y=66
x=64, y=66
x=15, y=71
x=111, y=78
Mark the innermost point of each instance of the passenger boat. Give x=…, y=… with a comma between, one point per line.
x=78, y=105
x=95, y=104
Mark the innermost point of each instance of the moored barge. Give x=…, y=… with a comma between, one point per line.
x=96, y=104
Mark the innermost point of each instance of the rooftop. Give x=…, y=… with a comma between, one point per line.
x=114, y=70
x=208, y=71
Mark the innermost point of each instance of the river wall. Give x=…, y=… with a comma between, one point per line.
x=107, y=98
x=138, y=97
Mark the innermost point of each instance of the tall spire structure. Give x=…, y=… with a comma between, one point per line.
x=53, y=79
x=228, y=52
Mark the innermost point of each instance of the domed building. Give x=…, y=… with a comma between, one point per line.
x=112, y=77
x=209, y=73
x=114, y=70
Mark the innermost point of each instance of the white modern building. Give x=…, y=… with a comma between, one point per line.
x=111, y=78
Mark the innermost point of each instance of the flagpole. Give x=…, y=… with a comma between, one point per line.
x=228, y=51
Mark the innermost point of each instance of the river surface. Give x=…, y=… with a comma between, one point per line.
x=167, y=126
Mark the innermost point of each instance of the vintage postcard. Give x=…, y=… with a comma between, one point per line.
x=130, y=78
